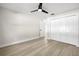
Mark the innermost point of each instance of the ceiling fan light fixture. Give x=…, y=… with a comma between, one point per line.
x=39, y=10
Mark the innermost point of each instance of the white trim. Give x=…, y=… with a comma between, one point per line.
x=5, y=45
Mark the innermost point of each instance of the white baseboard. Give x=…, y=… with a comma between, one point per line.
x=5, y=45
x=77, y=45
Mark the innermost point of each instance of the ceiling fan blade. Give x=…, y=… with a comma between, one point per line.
x=34, y=10
x=44, y=11
x=40, y=6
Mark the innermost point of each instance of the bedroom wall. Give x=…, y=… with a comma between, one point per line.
x=16, y=27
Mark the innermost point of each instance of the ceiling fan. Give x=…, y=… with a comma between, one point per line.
x=40, y=9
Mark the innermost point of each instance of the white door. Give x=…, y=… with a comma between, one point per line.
x=42, y=28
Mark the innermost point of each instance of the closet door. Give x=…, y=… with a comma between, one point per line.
x=65, y=29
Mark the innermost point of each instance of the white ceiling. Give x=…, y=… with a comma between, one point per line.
x=50, y=7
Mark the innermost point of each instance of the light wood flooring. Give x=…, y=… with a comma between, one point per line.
x=38, y=47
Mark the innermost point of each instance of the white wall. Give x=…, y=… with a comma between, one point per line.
x=17, y=27
x=64, y=27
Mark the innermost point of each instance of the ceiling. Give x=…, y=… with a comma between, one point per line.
x=50, y=7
